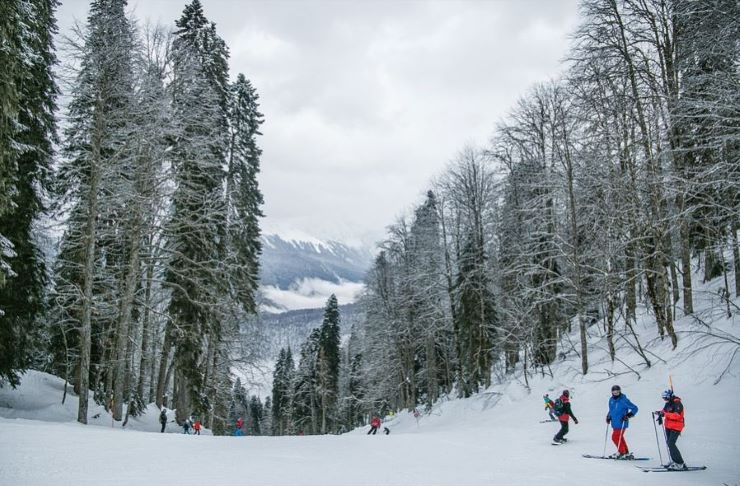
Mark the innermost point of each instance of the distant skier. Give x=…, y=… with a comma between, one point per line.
x=386, y=430
x=621, y=410
x=186, y=426
x=196, y=427
x=564, y=413
x=671, y=417
x=163, y=419
x=374, y=425
x=549, y=405
x=239, y=425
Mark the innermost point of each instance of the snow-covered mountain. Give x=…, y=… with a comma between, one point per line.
x=302, y=273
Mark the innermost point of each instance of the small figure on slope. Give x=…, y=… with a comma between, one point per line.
x=196, y=427
x=561, y=408
x=672, y=418
x=238, y=427
x=186, y=426
x=621, y=410
x=374, y=425
x=549, y=405
x=163, y=418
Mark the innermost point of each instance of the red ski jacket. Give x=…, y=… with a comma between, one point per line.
x=567, y=412
x=375, y=422
x=673, y=413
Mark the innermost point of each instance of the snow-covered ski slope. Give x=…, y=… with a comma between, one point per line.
x=492, y=438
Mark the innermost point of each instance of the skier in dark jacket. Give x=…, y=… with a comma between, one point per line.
x=163, y=419
x=671, y=417
x=621, y=410
x=564, y=417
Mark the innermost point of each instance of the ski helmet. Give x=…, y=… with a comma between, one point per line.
x=566, y=393
x=667, y=394
x=616, y=388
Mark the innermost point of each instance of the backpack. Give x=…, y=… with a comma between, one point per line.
x=558, y=408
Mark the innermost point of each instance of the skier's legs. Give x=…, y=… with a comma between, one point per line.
x=375, y=430
x=618, y=439
x=163, y=426
x=561, y=433
x=671, y=438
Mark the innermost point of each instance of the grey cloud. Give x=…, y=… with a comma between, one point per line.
x=365, y=102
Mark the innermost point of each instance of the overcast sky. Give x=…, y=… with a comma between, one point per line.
x=366, y=101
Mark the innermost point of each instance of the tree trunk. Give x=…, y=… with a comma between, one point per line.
x=164, y=360
x=145, y=332
x=182, y=399
x=610, y=308
x=736, y=257
x=630, y=282
x=121, y=349
x=89, y=268
x=688, y=298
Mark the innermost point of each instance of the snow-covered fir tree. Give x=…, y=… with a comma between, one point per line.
x=28, y=92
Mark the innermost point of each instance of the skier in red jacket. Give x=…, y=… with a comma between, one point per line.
x=671, y=417
x=374, y=425
x=565, y=414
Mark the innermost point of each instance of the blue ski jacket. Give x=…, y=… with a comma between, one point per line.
x=619, y=407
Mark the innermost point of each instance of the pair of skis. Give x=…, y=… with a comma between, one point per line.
x=648, y=469
x=667, y=469
x=589, y=456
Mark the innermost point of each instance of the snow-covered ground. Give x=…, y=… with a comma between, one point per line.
x=492, y=438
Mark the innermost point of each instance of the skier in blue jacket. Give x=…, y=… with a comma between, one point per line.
x=621, y=410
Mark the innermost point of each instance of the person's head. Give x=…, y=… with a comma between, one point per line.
x=546, y=395
x=667, y=395
x=566, y=393
x=616, y=391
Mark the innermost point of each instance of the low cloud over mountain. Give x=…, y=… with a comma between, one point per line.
x=301, y=274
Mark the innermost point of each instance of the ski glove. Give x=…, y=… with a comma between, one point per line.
x=628, y=416
x=608, y=419
x=660, y=420
x=575, y=420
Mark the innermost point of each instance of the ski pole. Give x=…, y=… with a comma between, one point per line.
x=606, y=435
x=657, y=441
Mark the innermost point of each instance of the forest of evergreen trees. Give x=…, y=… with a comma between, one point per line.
x=130, y=255
x=594, y=196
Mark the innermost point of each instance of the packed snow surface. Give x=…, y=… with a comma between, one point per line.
x=494, y=437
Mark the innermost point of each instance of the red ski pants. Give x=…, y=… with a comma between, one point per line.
x=618, y=439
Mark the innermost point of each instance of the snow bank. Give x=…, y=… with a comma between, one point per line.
x=39, y=397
